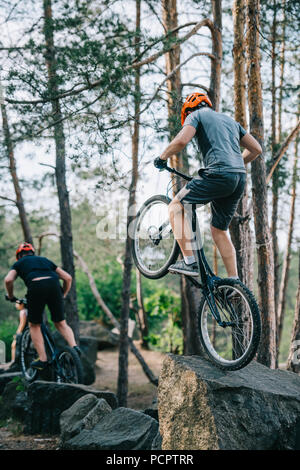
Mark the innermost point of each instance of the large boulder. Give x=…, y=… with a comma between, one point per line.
x=122, y=429
x=201, y=407
x=105, y=338
x=89, y=347
x=47, y=400
x=85, y=413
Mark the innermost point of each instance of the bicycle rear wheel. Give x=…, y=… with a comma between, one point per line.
x=154, y=247
x=27, y=355
x=69, y=368
x=233, y=345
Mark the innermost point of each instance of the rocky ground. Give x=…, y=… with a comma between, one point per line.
x=140, y=396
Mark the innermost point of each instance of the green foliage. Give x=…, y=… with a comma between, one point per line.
x=163, y=308
x=8, y=328
x=109, y=283
x=21, y=383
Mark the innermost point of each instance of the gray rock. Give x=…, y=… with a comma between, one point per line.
x=153, y=412
x=47, y=400
x=105, y=338
x=100, y=410
x=13, y=403
x=83, y=414
x=157, y=442
x=89, y=347
x=203, y=408
x=70, y=420
x=122, y=429
x=7, y=377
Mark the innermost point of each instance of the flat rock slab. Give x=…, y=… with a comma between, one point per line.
x=122, y=429
x=201, y=407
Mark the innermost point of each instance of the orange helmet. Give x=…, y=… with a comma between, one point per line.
x=193, y=101
x=24, y=247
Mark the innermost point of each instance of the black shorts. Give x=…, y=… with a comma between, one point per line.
x=41, y=293
x=222, y=190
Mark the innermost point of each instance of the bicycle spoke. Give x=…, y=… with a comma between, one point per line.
x=154, y=243
x=231, y=339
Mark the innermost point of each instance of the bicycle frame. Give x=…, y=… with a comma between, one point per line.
x=207, y=276
x=49, y=342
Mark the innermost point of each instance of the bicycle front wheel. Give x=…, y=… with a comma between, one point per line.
x=232, y=344
x=69, y=368
x=154, y=247
x=27, y=355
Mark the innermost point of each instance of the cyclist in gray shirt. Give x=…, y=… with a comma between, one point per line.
x=221, y=182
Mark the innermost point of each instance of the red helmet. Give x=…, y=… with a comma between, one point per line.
x=24, y=247
x=193, y=101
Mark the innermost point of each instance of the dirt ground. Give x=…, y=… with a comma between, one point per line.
x=141, y=394
x=140, y=391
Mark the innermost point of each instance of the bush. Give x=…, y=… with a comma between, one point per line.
x=7, y=330
x=165, y=321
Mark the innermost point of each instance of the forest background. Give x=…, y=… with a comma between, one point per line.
x=90, y=94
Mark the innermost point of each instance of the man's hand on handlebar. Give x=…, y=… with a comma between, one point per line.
x=160, y=164
x=10, y=299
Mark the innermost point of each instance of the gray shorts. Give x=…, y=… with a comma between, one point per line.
x=222, y=190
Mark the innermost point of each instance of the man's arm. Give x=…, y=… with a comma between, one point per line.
x=179, y=142
x=9, y=282
x=252, y=148
x=67, y=280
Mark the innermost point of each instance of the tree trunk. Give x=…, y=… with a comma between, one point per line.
x=240, y=231
x=123, y=346
x=172, y=60
x=293, y=362
x=13, y=171
x=216, y=66
x=275, y=179
x=267, y=349
x=66, y=239
x=282, y=70
x=217, y=51
x=142, y=314
x=287, y=258
x=189, y=294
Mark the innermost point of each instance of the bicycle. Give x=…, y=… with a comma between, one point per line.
x=228, y=317
x=64, y=365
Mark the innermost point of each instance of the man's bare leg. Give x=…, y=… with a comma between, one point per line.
x=180, y=226
x=38, y=340
x=226, y=249
x=66, y=331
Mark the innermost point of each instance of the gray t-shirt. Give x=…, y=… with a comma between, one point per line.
x=218, y=138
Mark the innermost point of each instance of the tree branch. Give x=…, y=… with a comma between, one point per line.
x=293, y=134
x=40, y=239
x=9, y=199
x=195, y=85
x=206, y=22
x=207, y=54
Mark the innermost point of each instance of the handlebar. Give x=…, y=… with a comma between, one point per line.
x=15, y=300
x=182, y=175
